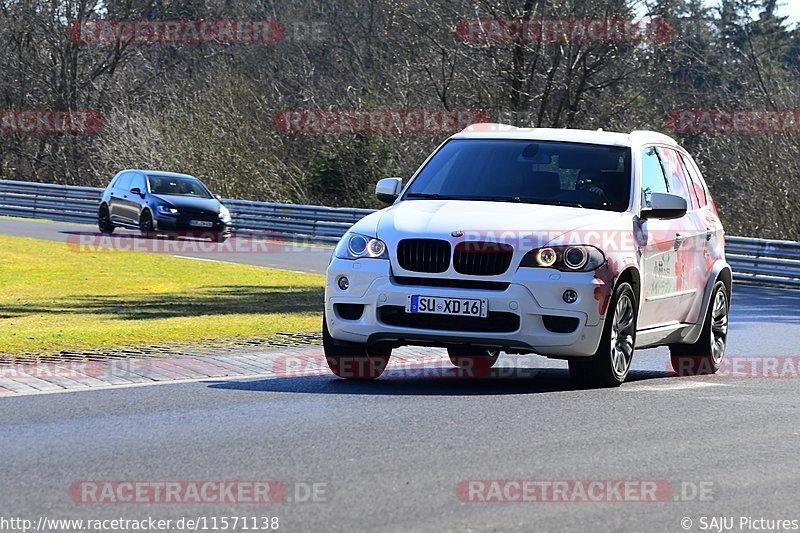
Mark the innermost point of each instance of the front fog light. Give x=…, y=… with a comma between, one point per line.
x=570, y=296
x=343, y=283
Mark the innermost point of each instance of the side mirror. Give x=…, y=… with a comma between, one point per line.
x=388, y=189
x=665, y=206
x=137, y=191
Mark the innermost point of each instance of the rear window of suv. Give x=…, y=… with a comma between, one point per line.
x=538, y=172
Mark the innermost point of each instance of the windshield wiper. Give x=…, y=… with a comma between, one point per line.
x=488, y=199
x=462, y=198
x=515, y=199
x=550, y=202
x=424, y=195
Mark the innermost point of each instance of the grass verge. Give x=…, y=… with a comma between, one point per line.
x=53, y=298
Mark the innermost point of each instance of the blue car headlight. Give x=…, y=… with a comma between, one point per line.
x=357, y=246
x=166, y=210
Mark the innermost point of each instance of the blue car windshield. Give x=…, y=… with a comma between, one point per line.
x=539, y=172
x=177, y=186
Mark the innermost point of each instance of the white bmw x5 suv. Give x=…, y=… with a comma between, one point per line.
x=572, y=244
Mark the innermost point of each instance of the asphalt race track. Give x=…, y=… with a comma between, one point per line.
x=389, y=455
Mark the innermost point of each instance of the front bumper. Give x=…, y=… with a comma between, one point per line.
x=182, y=224
x=532, y=295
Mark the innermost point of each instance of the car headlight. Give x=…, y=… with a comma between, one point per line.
x=357, y=246
x=166, y=210
x=580, y=258
x=224, y=214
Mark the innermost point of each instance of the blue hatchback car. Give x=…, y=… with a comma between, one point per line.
x=157, y=202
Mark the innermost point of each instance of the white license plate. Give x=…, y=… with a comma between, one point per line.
x=435, y=305
x=201, y=223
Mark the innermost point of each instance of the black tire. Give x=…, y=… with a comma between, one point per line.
x=146, y=226
x=104, y=223
x=349, y=360
x=474, y=360
x=705, y=356
x=610, y=364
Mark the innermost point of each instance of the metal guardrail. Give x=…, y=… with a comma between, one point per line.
x=763, y=261
x=69, y=203
x=759, y=261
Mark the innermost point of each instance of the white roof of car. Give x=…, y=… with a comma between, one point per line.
x=505, y=131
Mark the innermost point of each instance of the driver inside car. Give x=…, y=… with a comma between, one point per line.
x=592, y=181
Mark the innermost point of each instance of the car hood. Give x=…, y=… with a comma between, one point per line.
x=530, y=225
x=190, y=203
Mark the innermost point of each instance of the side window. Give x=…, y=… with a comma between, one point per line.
x=652, y=174
x=676, y=177
x=697, y=182
x=692, y=189
x=123, y=183
x=138, y=181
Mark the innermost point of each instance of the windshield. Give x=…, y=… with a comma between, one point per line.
x=539, y=172
x=178, y=186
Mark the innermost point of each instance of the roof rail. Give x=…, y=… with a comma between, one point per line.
x=654, y=135
x=489, y=126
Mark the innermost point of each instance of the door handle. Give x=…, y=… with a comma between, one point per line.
x=709, y=234
x=679, y=240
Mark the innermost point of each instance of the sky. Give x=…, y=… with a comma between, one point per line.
x=789, y=8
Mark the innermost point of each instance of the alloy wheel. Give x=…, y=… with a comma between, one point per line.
x=719, y=326
x=622, y=335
